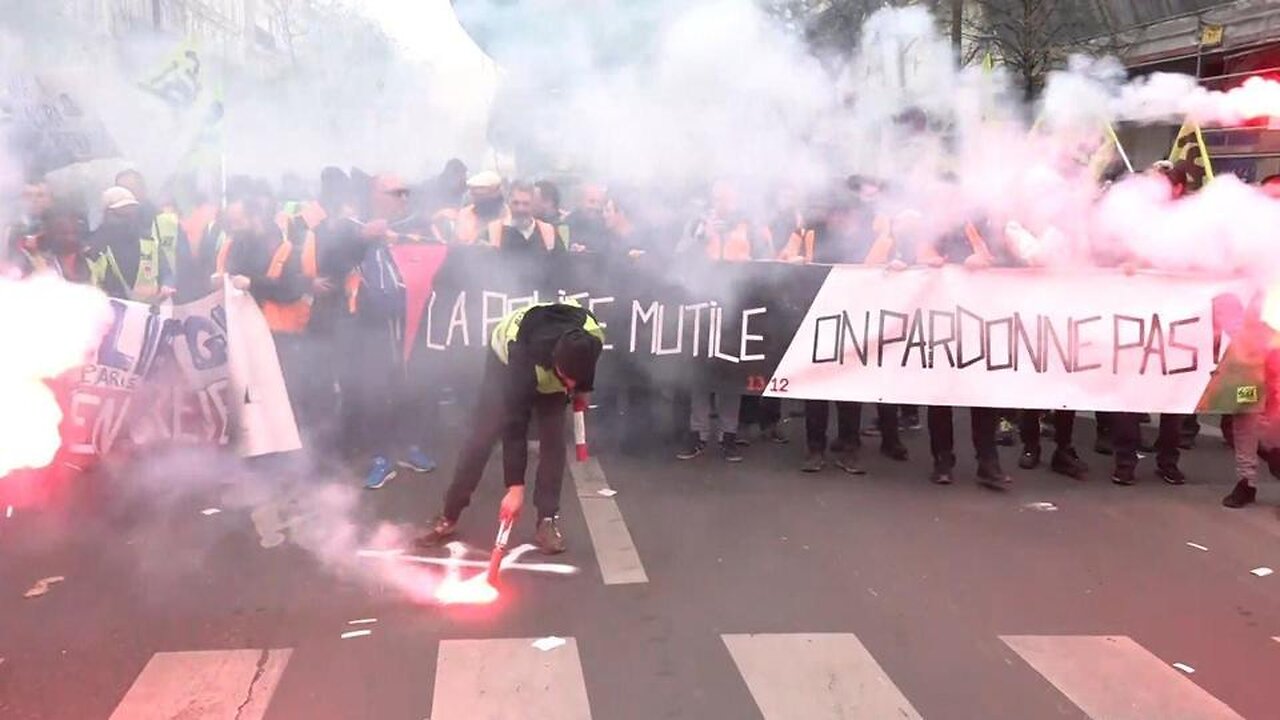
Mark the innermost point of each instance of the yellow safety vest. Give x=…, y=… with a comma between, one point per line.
x=146, y=286
x=508, y=329
x=164, y=231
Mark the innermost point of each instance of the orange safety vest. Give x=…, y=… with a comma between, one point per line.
x=220, y=262
x=734, y=245
x=800, y=244
x=544, y=229
x=466, y=228
x=291, y=317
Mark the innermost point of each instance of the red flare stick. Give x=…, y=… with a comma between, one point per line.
x=499, y=551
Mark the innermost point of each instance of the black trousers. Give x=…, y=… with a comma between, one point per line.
x=817, y=415
x=309, y=381
x=942, y=434
x=1064, y=424
x=493, y=421
x=1125, y=432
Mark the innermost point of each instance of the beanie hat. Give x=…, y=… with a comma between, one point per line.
x=575, y=355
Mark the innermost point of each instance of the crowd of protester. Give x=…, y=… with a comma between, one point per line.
x=324, y=268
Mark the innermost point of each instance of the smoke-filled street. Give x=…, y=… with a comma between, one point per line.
x=661, y=359
x=735, y=591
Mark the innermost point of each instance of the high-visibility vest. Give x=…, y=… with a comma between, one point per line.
x=800, y=244
x=291, y=317
x=146, y=286
x=223, y=245
x=466, y=228
x=547, y=232
x=164, y=231
x=735, y=244
x=508, y=329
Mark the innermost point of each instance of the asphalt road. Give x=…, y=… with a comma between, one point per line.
x=766, y=594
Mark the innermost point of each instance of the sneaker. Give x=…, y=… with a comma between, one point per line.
x=729, y=448
x=1030, y=459
x=1066, y=461
x=773, y=434
x=695, y=446
x=1103, y=446
x=379, y=474
x=1005, y=433
x=548, y=538
x=910, y=422
x=1242, y=494
x=742, y=440
x=940, y=477
x=992, y=475
x=417, y=461
x=894, y=452
x=848, y=462
x=442, y=528
x=1171, y=475
x=1123, y=476
x=813, y=462
x=873, y=430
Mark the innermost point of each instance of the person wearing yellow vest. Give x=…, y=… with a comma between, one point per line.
x=161, y=225
x=538, y=356
x=125, y=256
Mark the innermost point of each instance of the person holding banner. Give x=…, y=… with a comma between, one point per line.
x=967, y=245
x=538, y=356
x=724, y=234
x=842, y=230
x=376, y=395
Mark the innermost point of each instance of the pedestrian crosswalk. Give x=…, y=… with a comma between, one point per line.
x=204, y=684
x=800, y=676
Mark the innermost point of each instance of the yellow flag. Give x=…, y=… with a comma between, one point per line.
x=1189, y=146
x=1107, y=152
x=178, y=80
x=988, y=63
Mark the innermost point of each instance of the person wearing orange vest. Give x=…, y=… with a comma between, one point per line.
x=523, y=234
x=279, y=270
x=473, y=222
x=723, y=234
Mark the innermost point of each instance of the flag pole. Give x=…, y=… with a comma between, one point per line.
x=1111, y=133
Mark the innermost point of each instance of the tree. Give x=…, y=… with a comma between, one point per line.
x=1032, y=37
x=833, y=27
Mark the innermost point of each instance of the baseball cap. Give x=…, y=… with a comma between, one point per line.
x=116, y=197
x=484, y=179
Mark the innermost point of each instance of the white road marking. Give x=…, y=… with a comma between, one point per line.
x=815, y=677
x=619, y=562
x=204, y=684
x=1114, y=677
x=508, y=679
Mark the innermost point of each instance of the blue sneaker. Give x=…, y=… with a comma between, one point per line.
x=417, y=461
x=379, y=474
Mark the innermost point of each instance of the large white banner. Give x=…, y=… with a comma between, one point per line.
x=201, y=372
x=1087, y=340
